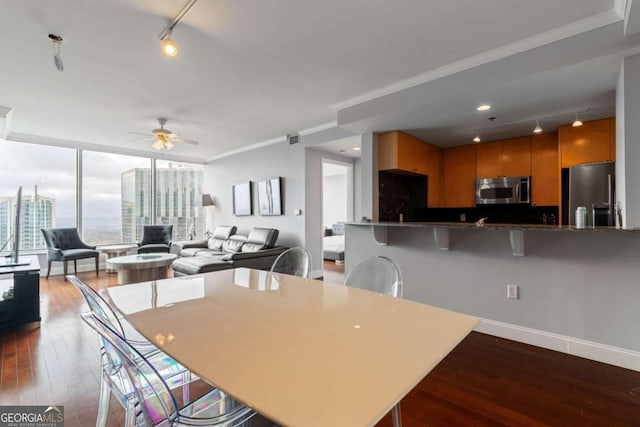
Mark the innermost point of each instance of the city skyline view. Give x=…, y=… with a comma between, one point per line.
x=102, y=192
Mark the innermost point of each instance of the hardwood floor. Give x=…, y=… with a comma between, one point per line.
x=484, y=381
x=332, y=272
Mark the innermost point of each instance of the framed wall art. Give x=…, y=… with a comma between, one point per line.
x=242, y=199
x=270, y=197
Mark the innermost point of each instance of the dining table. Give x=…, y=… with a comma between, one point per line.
x=300, y=352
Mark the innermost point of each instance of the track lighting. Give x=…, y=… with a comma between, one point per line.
x=57, y=54
x=537, y=129
x=169, y=47
x=576, y=122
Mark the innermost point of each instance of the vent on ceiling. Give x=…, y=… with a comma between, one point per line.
x=293, y=139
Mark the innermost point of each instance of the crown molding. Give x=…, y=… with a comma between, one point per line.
x=79, y=145
x=272, y=141
x=566, y=31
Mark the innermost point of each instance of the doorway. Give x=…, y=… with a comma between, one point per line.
x=337, y=209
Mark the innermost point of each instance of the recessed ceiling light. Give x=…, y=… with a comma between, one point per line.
x=356, y=148
x=484, y=107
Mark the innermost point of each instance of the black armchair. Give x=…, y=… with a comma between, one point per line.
x=155, y=239
x=64, y=244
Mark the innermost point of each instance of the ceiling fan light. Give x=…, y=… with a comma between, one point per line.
x=169, y=145
x=169, y=47
x=158, y=145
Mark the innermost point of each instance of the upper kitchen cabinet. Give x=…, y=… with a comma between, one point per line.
x=545, y=170
x=400, y=152
x=516, y=156
x=592, y=142
x=510, y=157
x=489, y=160
x=459, y=177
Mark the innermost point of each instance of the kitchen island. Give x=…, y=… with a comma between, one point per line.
x=578, y=289
x=516, y=231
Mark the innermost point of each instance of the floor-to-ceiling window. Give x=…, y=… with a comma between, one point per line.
x=48, y=177
x=178, y=192
x=116, y=197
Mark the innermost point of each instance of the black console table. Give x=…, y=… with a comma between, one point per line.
x=20, y=294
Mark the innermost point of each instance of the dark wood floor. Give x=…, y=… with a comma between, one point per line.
x=484, y=381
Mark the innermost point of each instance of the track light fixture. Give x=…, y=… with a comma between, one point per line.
x=57, y=47
x=576, y=122
x=169, y=47
x=537, y=129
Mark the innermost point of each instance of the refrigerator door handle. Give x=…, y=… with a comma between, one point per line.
x=610, y=199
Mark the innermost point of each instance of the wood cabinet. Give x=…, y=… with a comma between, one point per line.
x=545, y=170
x=402, y=153
x=510, y=157
x=589, y=143
x=398, y=151
x=489, y=163
x=459, y=176
x=434, y=167
x=516, y=156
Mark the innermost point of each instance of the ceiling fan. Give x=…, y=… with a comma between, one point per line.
x=164, y=139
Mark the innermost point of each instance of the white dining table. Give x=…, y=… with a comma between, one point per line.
x=300, y=352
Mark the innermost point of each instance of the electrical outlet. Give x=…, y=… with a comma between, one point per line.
x=513, y=292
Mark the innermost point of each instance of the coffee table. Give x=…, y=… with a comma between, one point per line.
x=112, y=251
x=141, y=268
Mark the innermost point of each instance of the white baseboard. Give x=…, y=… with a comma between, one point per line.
x=578, y=347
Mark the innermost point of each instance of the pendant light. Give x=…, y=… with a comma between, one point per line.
x=537, y=129
x=576, y=122
x=477, y=138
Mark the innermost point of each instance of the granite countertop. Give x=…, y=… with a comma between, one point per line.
x=491, y=226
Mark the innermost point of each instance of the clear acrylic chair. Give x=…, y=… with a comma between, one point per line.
x=111, y=380
x=382, y=275
x=293, y=261
x=158, y=405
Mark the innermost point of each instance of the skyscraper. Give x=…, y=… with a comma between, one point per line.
x=37, y=213
x=178, y=188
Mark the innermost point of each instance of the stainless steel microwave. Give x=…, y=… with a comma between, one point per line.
x=493, y=191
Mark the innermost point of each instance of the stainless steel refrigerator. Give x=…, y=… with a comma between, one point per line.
x=592, y=185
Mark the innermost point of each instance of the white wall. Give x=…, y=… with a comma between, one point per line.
x=334, y=199
x=282, y=160
x=628, y=140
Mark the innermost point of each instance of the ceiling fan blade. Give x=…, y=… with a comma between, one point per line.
x=143, y=139
x=185, y=140
x=138, y=133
